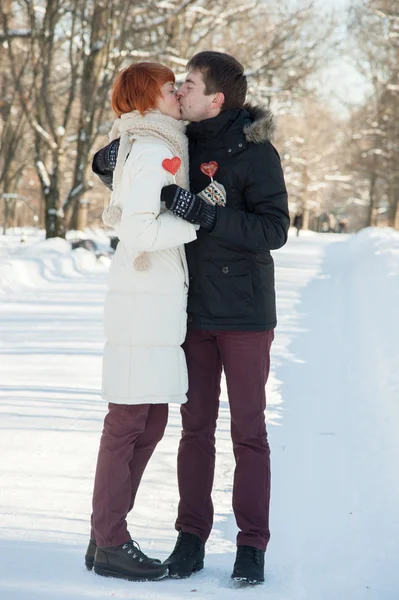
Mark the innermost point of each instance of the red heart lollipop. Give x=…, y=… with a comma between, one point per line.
x=209, y=168
x=172, y=165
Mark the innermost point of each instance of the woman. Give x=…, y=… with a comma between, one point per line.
x=145, y=311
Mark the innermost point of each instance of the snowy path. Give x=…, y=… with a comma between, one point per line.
x=333, y=413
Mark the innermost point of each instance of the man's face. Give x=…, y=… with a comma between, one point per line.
x=195, y=105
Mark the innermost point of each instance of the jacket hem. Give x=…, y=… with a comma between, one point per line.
x=181, y=399
x=212, y=325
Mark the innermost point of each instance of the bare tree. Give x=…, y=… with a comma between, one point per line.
x=14, y=149
x=71, y=50
x=310, y=137
x=375, y=139
x=283, y=45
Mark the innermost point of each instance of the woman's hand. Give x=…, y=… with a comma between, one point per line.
x=188, y=206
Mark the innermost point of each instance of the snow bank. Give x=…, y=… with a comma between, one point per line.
x=375, y=252
x=335, y=492
x=379, y=245
x=37, y=263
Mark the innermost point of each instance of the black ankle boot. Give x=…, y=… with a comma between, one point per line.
x=249, y=565
x=187, y=556
x=128, y=562
x=91, y=551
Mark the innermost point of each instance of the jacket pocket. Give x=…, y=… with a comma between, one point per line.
x=226, y=288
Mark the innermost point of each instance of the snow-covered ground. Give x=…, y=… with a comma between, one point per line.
x=333, y=417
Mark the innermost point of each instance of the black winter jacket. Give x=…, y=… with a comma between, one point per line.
x=231, y=268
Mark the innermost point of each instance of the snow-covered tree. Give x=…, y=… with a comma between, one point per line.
x=70, y=51
x=310, y=137
x=375, y=127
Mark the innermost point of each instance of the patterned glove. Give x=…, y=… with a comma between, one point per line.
x=189, y=206
x=104, y=160
x=214, y=193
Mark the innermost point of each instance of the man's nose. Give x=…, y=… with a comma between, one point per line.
x=180, y=93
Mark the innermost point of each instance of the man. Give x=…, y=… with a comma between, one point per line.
x=231, y=305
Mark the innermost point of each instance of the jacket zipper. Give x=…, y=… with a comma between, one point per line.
x=184, y=265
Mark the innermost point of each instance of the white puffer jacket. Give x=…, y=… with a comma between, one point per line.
x=145, y=311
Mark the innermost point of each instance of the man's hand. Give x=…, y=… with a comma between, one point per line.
x=214, y=193
x=189, y=206
x=104, y=162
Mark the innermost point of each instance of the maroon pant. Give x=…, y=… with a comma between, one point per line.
x=129, y=437
x=245, y=358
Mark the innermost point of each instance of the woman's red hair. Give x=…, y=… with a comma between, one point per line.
x=139, y=86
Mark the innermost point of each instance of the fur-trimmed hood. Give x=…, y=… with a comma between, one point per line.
x=263, y=126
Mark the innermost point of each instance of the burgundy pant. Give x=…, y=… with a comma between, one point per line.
x=129, y=437
x=245, y=358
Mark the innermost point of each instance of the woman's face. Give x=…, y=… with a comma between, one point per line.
x=168, y=103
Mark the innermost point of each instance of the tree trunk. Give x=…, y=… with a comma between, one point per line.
x=393, y=205
x=72, y=214
x=371, y=211
x=55, y=226
x=305, y=202
x=55, y=220
x=395, y=222
x=83, y=208
x=6, y=214
x=90, y=93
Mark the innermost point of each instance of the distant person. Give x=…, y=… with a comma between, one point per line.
x=298, y=222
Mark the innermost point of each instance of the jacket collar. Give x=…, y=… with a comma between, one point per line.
x=216, y=126
x=236, y=127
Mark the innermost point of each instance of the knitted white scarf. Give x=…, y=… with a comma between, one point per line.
x=133, y=125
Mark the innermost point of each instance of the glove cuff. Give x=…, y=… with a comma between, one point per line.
x=208, y=216
x=169, y=195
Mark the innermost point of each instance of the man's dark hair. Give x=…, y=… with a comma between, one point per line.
x=221, y=73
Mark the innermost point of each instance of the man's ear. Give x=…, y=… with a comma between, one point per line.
x=218, y=100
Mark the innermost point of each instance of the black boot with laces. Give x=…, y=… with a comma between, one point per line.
x=187, y=556
x=249, y=565
x=128, y=562
x=91, y=552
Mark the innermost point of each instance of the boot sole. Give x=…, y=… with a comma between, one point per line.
x=105, y=572
x=185, y=574
x=248, y=580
